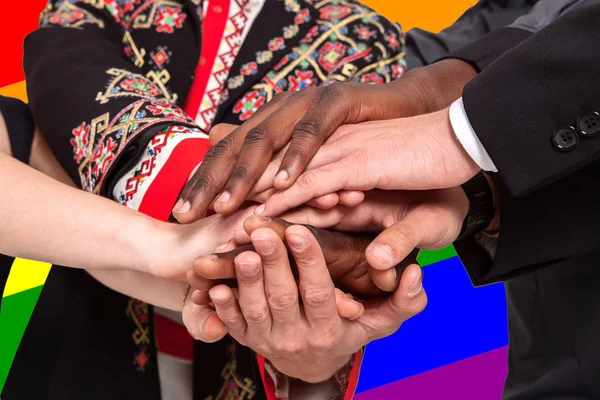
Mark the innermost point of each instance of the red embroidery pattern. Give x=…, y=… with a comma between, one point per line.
x=169, y=18
x=226, y=54
x=68, y=15
x=249, y=103
x=139, y=314
x=80, y=141
x=335, y=12
x=234, y=387
x=146, y=169
x=325, y=54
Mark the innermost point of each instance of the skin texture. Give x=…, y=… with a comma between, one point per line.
x=297, y=124
x=296, y=325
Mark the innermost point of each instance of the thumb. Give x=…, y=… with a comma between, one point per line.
x=347, y=307
x=423, y=226
x=203, y=323
x=383, y=317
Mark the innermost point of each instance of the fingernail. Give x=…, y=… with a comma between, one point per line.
x=224, y=197
x=349, y=296
x=222, y=247
x=260, y=209
x=417, y=283
x=297, y=242
x=383, y=253
x=248, y=269
x=181, y=207
x=282, y=176
x=216, y=299
x=264, y=245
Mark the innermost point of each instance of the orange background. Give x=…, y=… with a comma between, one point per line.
x=24, y=14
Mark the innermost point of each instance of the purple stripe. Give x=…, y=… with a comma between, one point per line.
x=474, y=378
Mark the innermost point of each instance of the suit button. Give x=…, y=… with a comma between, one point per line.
x=565, y=138
x=589, y=124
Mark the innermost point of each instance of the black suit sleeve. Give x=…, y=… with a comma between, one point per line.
x=423, y=47
x=518, y=102
x=547, y=196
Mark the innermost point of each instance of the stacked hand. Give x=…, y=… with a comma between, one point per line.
x=379, y=160
x=307, y=329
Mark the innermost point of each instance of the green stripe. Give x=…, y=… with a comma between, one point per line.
x=14, y=316
x=427, y=257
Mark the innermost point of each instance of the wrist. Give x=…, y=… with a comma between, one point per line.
x=494, y=225
x=320, y=374
x=151, y=241
x=439, y=84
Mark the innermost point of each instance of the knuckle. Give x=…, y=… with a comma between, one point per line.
x=308, y=127
x=288, y=348
x=337, y=91
x=282, y=301
x=222, y=148
x=231, y=320
x=317, y=296
x=307, y=180
x=256, y=135
x=401, y=235
x=240, y=172
x=256, y=315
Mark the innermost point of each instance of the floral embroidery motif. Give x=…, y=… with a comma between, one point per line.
x=392, y=40
x=248, y=104
x=264, y=56
x=127, y=84
x=80, y=141
x=250, y=68
x=160, y=57
x=335, y=12
x=363, y=32
x=103, y=156
x=276, y=44
x=234, y=387
x=68, y=15
x=301, y=80
x=331, y=54
x=169, y=18
x=168, y=110
x=140, y=85
x=109, y=137
x=351, y=42
x=139, y=314
x=397, y=71
x=373, y=77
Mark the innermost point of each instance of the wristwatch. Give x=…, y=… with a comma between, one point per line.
x=481, y=205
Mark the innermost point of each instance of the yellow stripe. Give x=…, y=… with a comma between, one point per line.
x=25, y=274
x=15, y=90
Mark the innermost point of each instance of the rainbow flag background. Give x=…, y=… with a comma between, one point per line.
x=455, y=349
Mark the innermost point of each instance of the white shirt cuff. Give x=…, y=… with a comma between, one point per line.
x=467, y=137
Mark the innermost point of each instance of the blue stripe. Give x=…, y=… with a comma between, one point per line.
x=460, y=321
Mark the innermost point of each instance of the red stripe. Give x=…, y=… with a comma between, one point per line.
x=268, y=383
x=213, y=27
x=354, y=374
x=164, y=190
x=173, y=338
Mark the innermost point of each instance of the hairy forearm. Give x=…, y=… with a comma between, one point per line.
x=145, y=287
x=46, y=220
